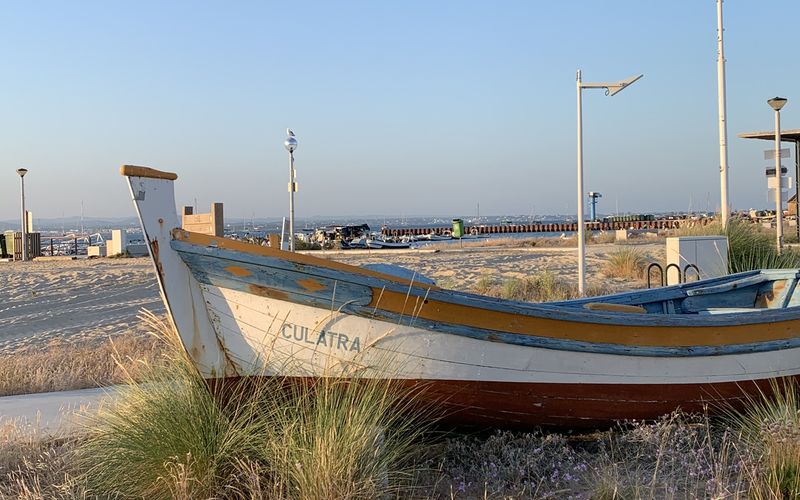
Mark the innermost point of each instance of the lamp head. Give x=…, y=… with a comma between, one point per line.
x=22, y=171
x=777, y=103
x=617, y=87
x=290, y=143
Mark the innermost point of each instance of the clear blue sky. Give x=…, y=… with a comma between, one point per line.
x=399, y=107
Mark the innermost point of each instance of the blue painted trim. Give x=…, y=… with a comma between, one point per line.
x=588, y=347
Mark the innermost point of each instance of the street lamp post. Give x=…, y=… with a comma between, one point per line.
x=22, y=172
x=611, y=89
x=291, y=144
x=777, y=103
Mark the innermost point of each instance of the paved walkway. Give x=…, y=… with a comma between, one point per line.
x=52, y=412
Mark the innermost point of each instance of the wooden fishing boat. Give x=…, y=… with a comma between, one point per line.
x=244, y=310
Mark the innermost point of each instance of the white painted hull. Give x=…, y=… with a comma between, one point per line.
x=289, y=336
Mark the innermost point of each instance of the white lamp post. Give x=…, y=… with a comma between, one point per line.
x=777, y=103
x=291, y=144
x=22, y=172
x=611, y=89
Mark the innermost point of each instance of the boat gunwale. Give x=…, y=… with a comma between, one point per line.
x=243, y=252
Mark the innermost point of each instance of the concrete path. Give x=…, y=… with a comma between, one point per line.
x=52, y=412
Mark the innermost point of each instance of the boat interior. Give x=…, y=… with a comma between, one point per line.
x=746, y=292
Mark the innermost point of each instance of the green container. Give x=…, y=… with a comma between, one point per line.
x=458, y=228
x=3, y=251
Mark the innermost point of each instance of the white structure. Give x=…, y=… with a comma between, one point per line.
x=96, y=251
x=708, y=253
x=118, y=242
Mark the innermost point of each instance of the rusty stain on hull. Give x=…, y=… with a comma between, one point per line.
x=311, y=285
x=263, y=291
x=238, y=271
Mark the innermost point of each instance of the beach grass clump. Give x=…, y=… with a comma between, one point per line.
x=346, y=439
x=770, y=426
x=168, y=435
x=546, y=286
x=627, y=262
x=63, y=366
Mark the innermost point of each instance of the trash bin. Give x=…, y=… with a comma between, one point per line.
x=458, y=228
x=3, y=251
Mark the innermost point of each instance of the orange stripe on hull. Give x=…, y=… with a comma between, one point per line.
x=634, y=335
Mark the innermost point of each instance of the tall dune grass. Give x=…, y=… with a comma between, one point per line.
x=169, y=436
x=771, y=428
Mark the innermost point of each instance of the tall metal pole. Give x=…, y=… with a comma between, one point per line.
x=723, y=126
x=24, y=221
x=581, y=227
x=612, y=88
x=778, y=191
x=291, y=201
x=21, y=172
x=291, y=144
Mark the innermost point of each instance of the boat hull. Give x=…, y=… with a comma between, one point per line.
x=477, y=382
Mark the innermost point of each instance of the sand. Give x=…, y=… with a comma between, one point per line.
x=462, y=268
x=90, y=300
x=73, y=300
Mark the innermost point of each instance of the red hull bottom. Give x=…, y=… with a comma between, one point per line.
x=526, y=405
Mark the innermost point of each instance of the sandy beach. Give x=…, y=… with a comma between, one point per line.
x=86, y=300
x=73, y=300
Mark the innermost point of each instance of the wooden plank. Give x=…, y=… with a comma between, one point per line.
x=726, y=287
x=147, y=172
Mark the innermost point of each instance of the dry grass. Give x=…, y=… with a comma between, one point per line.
x=168, y=436
x=170, y=439
x=62, y=366
x=542, y=287
x=175, y=442
x=771, y=429
x=627, y=262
